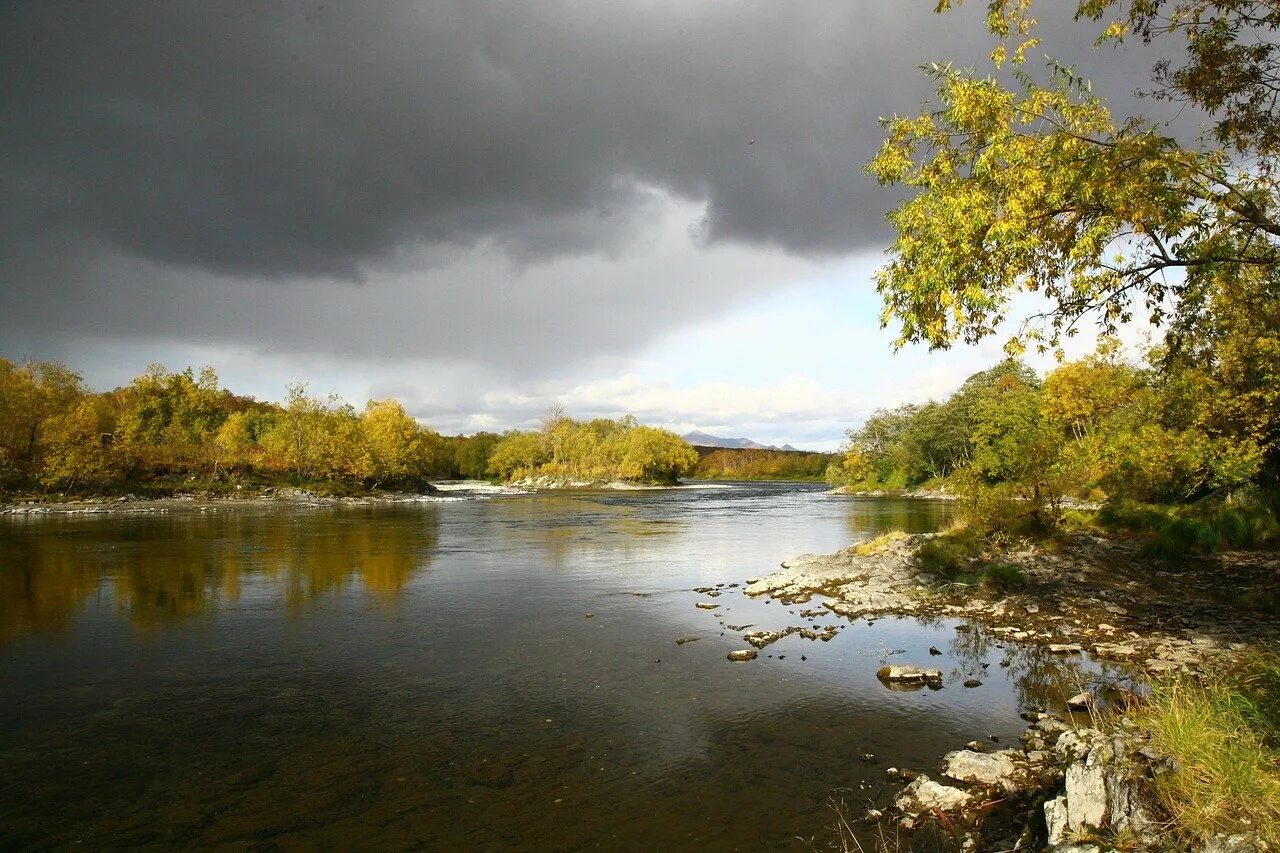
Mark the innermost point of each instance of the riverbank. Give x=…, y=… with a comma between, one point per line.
x=1087, y=771
x=1076, y=593
x=133, y=504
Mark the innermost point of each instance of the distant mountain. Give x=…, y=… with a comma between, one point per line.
x=702, y=439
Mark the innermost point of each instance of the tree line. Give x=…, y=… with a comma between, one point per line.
x=174, y=431
x=1098, y=429
x=757, y=464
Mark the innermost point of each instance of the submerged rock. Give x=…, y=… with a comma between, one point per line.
x=706, y=605
x=743, y=654
x=909, y=674
x=1080, y=702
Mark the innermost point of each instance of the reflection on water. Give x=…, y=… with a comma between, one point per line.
x=160, y=569
x=427, y=676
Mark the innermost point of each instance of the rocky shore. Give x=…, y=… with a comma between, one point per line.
x=1083, y=593
x=1067, y=789
x=1081, y=785
x=133, y=504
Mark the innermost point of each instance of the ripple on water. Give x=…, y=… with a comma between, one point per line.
x=424, y=676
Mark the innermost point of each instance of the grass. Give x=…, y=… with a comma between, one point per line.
x=1245, y=521
x=1002, y=577
x=1225, y=737
x=878, y=544
x=949, y=553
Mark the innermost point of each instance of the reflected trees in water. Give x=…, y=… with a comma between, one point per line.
x=176, y=568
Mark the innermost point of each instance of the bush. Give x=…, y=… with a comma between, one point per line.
x=1002, y=577
x=1134, y=517
x=948, y=554
x=1247, y=526
x=1183, y=537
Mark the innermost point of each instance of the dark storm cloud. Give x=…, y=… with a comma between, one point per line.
x=219, y=142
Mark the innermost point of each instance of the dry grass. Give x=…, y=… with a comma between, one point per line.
x=880, y=543
x=1225, y=737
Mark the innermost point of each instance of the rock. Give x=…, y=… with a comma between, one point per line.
x=909, y=674
x=1086, y=792
x=924, y=795
x=680, y=641
x=991, y=769
x=972, y=682
x=934, y=651
x=1076, y=743
x=706, y=605
x=872, y=815
x=1080, y=702
x=1066, y=648
x=1115, y=651
x=1129, y=811
x=743, y=654
x=1232, y=844
x=1055, y=819
x=760, y=639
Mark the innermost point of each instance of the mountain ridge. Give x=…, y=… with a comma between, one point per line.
x=701, y=439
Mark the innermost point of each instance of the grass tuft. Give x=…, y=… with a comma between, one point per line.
x=948, y=554
x=1002, y=577
x=1225, y=738
x=878, y=544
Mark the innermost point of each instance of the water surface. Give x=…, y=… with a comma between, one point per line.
x=489, y=674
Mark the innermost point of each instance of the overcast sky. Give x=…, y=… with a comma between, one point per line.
x=480, y=208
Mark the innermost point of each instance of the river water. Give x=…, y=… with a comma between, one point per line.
x=476, y=674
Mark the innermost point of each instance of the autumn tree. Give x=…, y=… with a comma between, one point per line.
x=1038, y=187
x=32, y=395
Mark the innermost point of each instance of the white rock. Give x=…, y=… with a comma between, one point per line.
x=924, y=794
x=1055, y=818
x=1080, y=702
x=993, y=769
x=1086, y=797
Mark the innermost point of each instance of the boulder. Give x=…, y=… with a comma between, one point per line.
x=991, y=769
x=925, y=795
x=1087, y=803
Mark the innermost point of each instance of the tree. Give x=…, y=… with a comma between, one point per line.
x=31, y=396
x=1036, y=187
x=471, y=455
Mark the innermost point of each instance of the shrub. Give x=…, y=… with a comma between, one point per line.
x=1183, y=537
x=1001, y=577
x=1133, y=516
x=1247, y=526
x=948, y=554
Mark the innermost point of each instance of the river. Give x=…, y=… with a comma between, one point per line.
x=474, y=674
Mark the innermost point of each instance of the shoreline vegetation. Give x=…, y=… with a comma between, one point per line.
x=176, y=434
